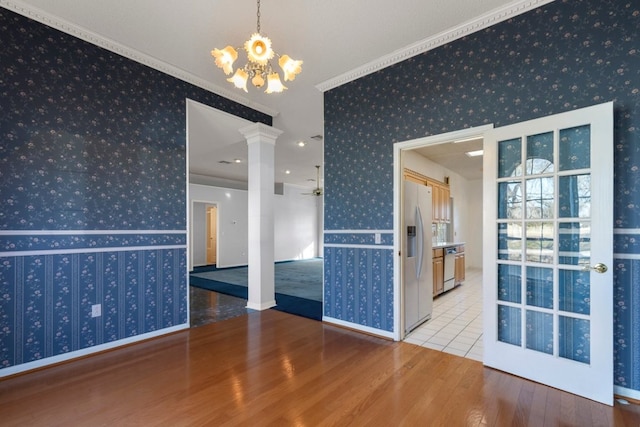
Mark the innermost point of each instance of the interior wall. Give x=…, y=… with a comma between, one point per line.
x=559, y=57
x=93, y=196
x=295, y=224
x=232, y=224
x=474, y=234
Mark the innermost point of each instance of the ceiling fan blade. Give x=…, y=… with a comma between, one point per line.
x=316, y=191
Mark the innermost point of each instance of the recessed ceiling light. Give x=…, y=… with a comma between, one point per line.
x=238, y=161
x=301, y=144
x=474, y=153
x=287, y=171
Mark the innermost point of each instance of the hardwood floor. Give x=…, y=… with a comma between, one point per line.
x=271, y=368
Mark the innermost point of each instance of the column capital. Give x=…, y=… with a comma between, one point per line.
x=259, y=132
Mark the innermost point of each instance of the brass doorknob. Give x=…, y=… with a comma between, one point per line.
x=598, y=268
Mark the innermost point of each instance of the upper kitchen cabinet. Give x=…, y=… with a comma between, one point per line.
x=441, y=195
x=441, y=201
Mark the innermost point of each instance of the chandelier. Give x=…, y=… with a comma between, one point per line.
x=258, y=68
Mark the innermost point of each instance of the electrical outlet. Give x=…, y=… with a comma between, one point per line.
x=378, y=238
x=96, y=310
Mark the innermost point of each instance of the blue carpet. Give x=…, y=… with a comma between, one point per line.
x=302, y=279
x=298, y=285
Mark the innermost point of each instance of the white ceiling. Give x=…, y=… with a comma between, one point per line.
x=332, y=37
x=453, y=157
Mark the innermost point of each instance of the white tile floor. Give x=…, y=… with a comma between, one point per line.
x=456, y=324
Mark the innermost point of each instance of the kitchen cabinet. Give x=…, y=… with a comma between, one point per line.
x=438, y=272
x=446, y=204
x=440, y=206
x=437, y=203
x=459, y=266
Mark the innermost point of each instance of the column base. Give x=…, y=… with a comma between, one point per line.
x=261, y=306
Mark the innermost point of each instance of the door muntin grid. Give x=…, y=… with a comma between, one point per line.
x=544, y=224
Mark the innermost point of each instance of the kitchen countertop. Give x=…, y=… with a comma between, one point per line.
x=439, y=245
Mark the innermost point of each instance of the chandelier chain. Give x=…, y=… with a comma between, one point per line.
x=258, y=15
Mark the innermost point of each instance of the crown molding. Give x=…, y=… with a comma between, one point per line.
x=120, y=49
x=484, y=21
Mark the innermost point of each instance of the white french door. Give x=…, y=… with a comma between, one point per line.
x=548, y=251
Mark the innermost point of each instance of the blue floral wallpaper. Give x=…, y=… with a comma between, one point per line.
x=352, y=299
x=559, y=57
x=92, y=193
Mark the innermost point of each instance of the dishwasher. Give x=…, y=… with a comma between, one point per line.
x=449, y=268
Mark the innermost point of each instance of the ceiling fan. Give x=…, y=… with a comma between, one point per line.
x=316, y=191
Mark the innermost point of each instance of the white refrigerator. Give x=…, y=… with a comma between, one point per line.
x=417, y=255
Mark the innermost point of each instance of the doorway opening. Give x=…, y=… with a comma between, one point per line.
x=204, y=234
x=212, y=234
x=455, y=325
x=218, y=217
x=209, y=130
x=547, y=213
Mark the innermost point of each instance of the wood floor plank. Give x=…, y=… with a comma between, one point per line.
x=537, y=413
x=421, y=378
x=271, y=368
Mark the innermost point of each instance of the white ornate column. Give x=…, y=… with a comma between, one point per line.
x=261, y=140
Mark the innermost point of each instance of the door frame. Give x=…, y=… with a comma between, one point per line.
x=398, y=147
x=191, y=222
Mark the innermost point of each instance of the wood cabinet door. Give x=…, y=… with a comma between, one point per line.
x=438, y=276
x=446, y=208
x=459, y=269
x=441, y=204
x=435, y=203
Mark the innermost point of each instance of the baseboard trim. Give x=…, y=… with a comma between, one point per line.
x=261, y=306
x=627, y=393
x=359, y=328
x=66, y=357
